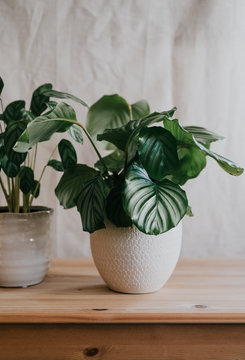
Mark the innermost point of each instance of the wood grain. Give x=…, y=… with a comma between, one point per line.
x=200, y=291
x=122, y=342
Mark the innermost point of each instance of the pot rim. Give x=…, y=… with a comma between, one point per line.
x=35, y=211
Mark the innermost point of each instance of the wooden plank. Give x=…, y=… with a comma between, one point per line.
x=125, y=341
x=200, y=291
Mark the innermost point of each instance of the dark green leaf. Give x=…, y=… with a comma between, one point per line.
x=157, y=151
x=114, y=209
x=62, y=95
x=154, y=207
x=10, y=168
x=192, y=161
x=184, y=138
x=56, y=165
x=109, y=112
x=13, y=111
x=91, y=204
x=140, y=109
x=67, y=153
x=39, y=99
x=70, y=184
x=35, y=191
x=17, y=158
x=12, y=133
x=76, y=133
x=1, y=85
x=121, y=136
x=26, y=177
x=43, y=127
x=114, y=162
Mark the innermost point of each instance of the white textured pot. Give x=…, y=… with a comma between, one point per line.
x=130, y=261
x=25, y=246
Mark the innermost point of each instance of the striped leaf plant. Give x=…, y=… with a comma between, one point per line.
x=151, y=155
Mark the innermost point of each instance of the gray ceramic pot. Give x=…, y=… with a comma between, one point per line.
x=25, y=246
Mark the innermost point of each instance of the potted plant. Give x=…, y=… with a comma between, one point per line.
x=25, y=230
x=132, y=201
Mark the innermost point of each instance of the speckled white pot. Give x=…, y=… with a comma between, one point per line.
x=25, y=247
x=130, y=261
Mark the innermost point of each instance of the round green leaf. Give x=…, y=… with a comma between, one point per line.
x=157, y=151
x=109, y=112
x=13, y=111
x=10, y=168
x=26, y=177
x=39, y=100
x=67, y=153
x=71, y=182
x=154, y=207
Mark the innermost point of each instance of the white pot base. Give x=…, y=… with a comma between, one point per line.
x=132, y=262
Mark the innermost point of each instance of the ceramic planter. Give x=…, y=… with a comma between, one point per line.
x=25, y=246
x=132, y=262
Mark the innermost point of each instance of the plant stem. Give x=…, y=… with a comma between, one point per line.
x=17, y=195
x=38, y=183
x=87, y=134
x=25, y=203
x=10, y=195
x=33, y=165
x=13, y=194
x=4, y=191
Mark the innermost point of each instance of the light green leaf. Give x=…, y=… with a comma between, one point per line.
x=121, y=136
x=154, y=207
x=184, y=138
x=43, y=127
x=76, y=133
x=157, y=150
x=192, y=162
x=114, y=162
x=61, y=95
x=91, y=204
x=203, y=135
x=189, y=211
x=70, y=184
x=140, y=109
x=109, y=112
x=226, y=164
x=67, y=153
x=39, y=99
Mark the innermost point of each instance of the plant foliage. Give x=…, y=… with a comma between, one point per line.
x=138, y=182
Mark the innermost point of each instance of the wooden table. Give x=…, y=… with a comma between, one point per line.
x=199, y=314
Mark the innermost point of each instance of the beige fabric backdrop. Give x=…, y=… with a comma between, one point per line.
x=188, y=53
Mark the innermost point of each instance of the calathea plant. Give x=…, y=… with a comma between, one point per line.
x=18, y=181
x=139, y=182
